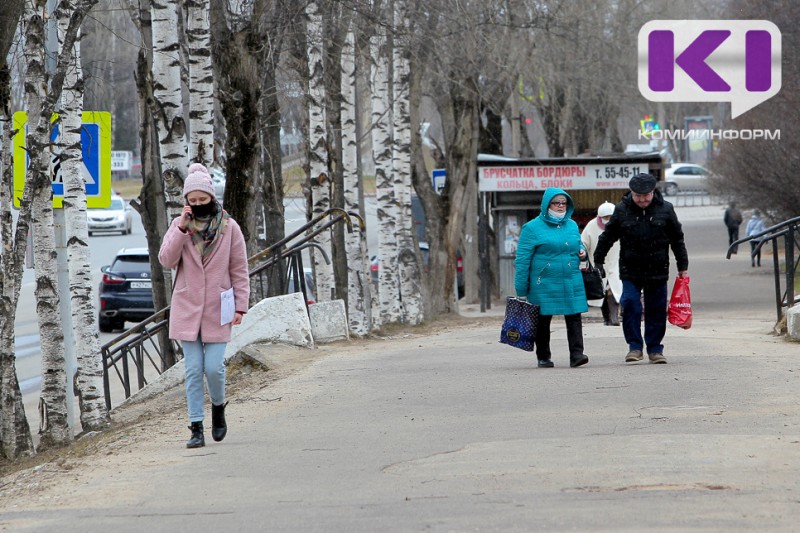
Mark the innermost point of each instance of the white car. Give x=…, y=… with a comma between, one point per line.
x=218, y=178
x=116, y=217
x=686, y=177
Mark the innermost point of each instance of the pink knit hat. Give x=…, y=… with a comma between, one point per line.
x=198, y=180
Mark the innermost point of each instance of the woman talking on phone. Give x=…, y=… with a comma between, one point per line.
x=211, y=292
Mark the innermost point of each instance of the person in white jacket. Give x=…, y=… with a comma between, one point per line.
x=612, y=284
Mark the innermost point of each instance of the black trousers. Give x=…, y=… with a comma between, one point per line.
x=733, y=236
x=755, y=256
x=574, y=335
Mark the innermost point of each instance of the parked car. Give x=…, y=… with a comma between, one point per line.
x=116, y=217
x=311, y=288
x=126, y=290
x=375, y=265
x=218, y=178
x=684, y=177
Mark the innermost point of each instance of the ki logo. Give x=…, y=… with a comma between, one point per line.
x=736, y=61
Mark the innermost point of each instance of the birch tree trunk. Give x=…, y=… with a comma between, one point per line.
x=168, y=103
x=15, y=433
x=53, y=425
x=408, y=259
x=318, y=143
x=358, y=298
x=238, y=87
x=89, y=377
x=388, y=213
x=201, y=83
x=150, y=204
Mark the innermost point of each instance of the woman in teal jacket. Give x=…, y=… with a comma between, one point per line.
x=548, y=274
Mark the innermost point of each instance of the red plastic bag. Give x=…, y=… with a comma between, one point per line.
x=680, y=304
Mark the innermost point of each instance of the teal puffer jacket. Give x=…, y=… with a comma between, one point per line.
x=547, y=263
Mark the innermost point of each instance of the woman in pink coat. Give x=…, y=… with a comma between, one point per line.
x=206, y=248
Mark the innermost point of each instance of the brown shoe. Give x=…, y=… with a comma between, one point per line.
x=634, y=356
x=657, y=358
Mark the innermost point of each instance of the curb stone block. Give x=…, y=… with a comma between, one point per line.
x=329, y=321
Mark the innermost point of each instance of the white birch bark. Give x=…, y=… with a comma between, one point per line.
x=168, y=105
x=318, y=156
x=358, y=274
x=201, y=83
x=15, y=433
x=89, y=375
x=387, y=208
x=409, y=267
x=53, y=426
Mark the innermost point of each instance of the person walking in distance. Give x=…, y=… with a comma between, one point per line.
x=732, y=219
x=612, y=284
x=211, y=293
x=646, y=227
x=755, y=226
x=548, y=274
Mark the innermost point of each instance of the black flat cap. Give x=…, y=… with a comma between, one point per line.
x=643, y=183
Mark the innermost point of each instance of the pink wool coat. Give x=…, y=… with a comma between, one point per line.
x=195, y=308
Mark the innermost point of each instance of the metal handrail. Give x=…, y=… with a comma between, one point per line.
x=137, y=342
x=789, y=230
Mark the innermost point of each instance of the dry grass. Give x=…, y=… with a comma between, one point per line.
x=293, y=179
x=127, y=188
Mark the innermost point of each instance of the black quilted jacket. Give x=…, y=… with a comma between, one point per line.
x=645, y=236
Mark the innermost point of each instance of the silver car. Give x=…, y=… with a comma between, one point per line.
x=116, y=217
x=684, y=177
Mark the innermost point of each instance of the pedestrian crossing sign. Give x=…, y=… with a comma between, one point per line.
x=95, y=151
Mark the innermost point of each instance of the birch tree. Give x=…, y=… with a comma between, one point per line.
x=54, y=428
x=387, y=208
x=237, y=43
x=89, y=378
x=15, y=434
x=167, y=106
x=201, y=85
x=318, y=144
x=408, y=258
x=53, y=423
x=358, y=299
x=150, y=204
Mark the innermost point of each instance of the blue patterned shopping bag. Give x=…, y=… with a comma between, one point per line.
x=519, y=325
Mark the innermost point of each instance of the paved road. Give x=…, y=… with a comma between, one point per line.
x=450, y=431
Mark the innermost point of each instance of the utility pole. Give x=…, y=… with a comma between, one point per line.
x=60, y=229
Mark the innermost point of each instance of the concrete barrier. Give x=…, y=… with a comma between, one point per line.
x=329, y=321
x=281, y=319
x=793, y=322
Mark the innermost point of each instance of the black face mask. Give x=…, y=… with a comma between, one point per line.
x=204, y=210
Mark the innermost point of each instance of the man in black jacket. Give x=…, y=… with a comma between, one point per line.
x=733, y=219
x=647, y=227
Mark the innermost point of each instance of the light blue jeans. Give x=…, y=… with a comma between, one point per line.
x=203, y=358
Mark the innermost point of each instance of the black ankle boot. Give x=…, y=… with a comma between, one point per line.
x=218, y=426
x=197, y=440
x=578, y=360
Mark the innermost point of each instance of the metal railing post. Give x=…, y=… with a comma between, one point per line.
x=789, y=251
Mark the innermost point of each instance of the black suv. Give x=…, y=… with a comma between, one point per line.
x=126, y=291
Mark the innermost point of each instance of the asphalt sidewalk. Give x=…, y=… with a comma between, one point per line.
x=450, y=431
x=441, y=428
